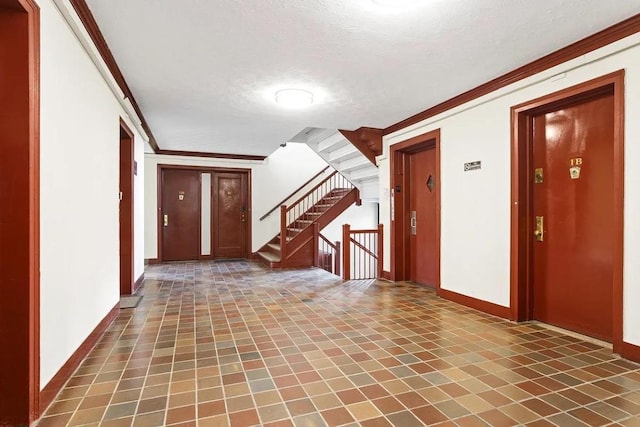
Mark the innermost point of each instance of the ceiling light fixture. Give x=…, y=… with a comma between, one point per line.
x=294, y=98
x=395, y=3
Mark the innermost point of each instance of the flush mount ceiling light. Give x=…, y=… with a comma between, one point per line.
x=395, y=3
x=294, y=98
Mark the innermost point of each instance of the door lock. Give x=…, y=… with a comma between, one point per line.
x=413, y=224
x=539, y=233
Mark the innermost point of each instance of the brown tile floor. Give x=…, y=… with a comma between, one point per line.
x=217, y=344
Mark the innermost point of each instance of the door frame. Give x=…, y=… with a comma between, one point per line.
x=20, y=297
x=127, y=216
x=400, y=237
x=522, y=192
x=202, y=169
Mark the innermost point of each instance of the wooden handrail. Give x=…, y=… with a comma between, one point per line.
x=347, y=239
x=320, y=184
x=294, y=192
x=332, y=245
x=364, y=248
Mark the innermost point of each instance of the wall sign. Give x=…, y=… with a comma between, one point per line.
x=472, y=166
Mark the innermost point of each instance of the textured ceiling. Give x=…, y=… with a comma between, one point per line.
x=204, y=71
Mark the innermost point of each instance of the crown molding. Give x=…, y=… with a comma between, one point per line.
x=598, y=40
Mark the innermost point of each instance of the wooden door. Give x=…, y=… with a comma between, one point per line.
x=422, y=217
x=573, y=197
x=126, y=211
x=230, y=217
x=180, y=215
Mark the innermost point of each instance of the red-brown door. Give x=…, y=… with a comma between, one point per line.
x=230, y=215
x=126, y=212
x=180, y=216
x=573, y=200
x=422, y=217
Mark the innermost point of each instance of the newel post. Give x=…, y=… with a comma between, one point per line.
x=336, y=260
x=316, y=252
x=346, y=251
x=380, y=250
x=283, y=235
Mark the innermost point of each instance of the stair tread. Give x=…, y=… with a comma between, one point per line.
x=269, y=256
x=274, y=246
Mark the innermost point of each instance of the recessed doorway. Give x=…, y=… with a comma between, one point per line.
x=415, y=228
x=567, y=209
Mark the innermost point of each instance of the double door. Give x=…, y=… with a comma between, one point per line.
x=192, y=214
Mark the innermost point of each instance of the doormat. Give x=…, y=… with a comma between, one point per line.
x=130, y=301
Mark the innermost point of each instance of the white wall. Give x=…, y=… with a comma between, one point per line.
x=476, y=205
x=271, y=181
x=79, y=217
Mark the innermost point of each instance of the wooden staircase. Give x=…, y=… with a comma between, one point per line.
x=294, y=246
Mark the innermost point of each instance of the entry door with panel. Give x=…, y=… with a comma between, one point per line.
x=180, y=215
x=573, y=216
x=422, y=217
x=230, y=214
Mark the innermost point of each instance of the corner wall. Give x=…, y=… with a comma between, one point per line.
x=79, y=169
x=475, y=234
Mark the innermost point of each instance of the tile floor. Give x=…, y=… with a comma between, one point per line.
x=231, y=343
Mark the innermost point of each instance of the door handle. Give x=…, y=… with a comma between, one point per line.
x=166, y=220
x=539, y=233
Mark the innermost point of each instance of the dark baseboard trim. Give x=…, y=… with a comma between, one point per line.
x=480, y=305
x=630, y=352
x=206, y=257
x=152, y=261
x=386, y=275
x=137, y=284
x=51, y=390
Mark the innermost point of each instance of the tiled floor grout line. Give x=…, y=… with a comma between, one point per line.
x=336, y=339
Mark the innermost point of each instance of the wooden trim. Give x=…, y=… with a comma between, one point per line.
x=20, y=225
x=386, y=275
x=346, y=251
x=137, y=284
x=600, y=39
x=476, y=304
x=127, y=209
x=521, y=196
x=58, y=381
x=90, y=24
x=211, y=155
x=630, y=351
x=309, y=181
x=399, y=230
x=152, y=261
x=367, y=140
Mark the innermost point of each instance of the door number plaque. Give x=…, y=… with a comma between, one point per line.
x=575, y=167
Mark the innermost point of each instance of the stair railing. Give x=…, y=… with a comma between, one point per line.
x=326, y=254
x=299, y=215
x=293, y=193
x=362, y=253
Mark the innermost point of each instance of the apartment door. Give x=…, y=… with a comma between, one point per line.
x=573, y=216
x=126, y=211
x=229, y=214
x=180, y=215
x=422, y=217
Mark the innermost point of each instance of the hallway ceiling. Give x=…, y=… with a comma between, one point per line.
x=204, y=72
